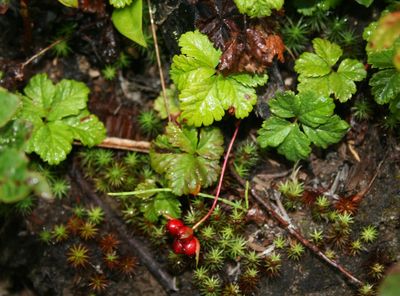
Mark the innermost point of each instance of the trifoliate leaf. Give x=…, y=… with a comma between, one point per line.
x=128, y=21
x=385, y=85
x=60, y=119
x=120, y=3
x=9, y=106
x=312, y=121
x=328, y=133
x=258, y=8
x=52, y=141
x=316, y=72
x=206, y=94
x=190, y=160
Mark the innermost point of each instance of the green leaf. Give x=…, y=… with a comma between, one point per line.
x=52, y=142
x=192, y=160
x=250, y=80
x=366, y=3
x=41, y=91
x=385, y=85
x=312, y=65
x=296, y=145
x=387, y=31
x=284, y=104
x=313, y=109
x=314, y=74
x=9, y=106
x=200, y=103
x=311, y=113
x=186, y=71
x=197, y=45
x=70, y=97
x=381, y=59
x=162, y=203
x=274, y=131
x=329, y=52
x=86, y=128
x=13, y=135
x=59, y=120
x=120, y=3
x=128, y=21
x=258, y=8
x=390, y=285
x=173, y=103
x=329, y=133
x=13, y=176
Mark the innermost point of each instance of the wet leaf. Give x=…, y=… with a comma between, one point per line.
x=190, y=159
x=9, y=106
x=258, y=8
x=128, y=21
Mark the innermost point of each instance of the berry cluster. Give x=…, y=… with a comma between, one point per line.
x=185, y=242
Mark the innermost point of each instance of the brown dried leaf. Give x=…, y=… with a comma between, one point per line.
x=92, y=6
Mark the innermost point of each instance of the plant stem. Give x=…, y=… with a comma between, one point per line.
x=221, y=178
x=153, y=32
x=123, y=144
x=154, y=190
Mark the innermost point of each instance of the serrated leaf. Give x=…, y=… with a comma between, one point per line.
x=312, y=65
x=386, y=32
x=185, y=139
x=187, y=170
x=233, y=94
x=128, y=21
x=340, y=83
x=381, y=59
x=86, y=128
x=258, y=8
x=52, y=142
x=198, y=46
x=314, y=110
x=328, y=51
x=187, y=70
x=284, y=104
x=200, y=103
x=296, y=145
x=274, y=132
x=250, y=80
x=385, y=85
x=40, y=90
x=69, y=99
x=329, y=133
x=9, y=105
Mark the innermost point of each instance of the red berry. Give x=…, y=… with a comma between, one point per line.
x=173, y=226
x=190, y=248
x=185, y=233
x=177, y=247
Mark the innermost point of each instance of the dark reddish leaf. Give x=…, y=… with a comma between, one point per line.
x=92, y=6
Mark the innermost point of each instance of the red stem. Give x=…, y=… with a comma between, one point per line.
x=221, y=178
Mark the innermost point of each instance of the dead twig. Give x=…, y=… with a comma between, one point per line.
x=294, y=232
x=153, y=32
x=123, y=144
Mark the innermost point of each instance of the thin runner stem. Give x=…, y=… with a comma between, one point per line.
x=221, y=178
